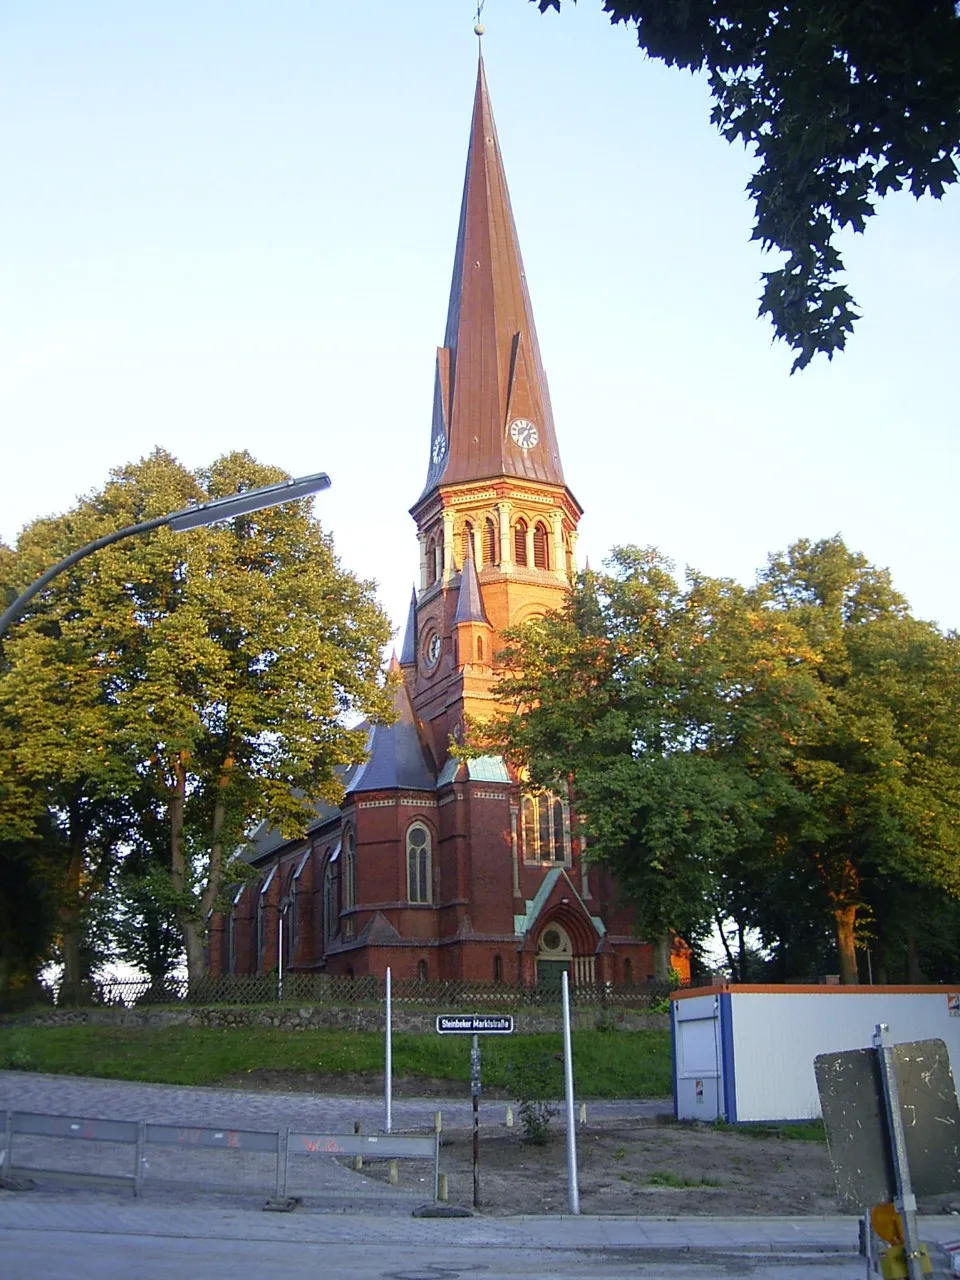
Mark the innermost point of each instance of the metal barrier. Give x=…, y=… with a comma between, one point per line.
x=223, y=1159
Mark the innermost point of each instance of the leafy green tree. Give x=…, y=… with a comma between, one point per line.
x=778, y=756
x=880, y=772
x=842, y=101
x=214, y=671
x=668, y=711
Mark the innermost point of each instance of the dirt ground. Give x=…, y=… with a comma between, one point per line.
x=655, y=1167
x=646, y=1167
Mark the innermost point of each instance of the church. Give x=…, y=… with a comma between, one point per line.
x=439, y=868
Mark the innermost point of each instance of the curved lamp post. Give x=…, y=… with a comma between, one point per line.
x=202, y=513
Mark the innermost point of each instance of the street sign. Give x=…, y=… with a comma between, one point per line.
x=474, y=1024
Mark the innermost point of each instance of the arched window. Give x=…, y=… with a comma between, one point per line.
x=491, y=547
x=628, y=972
x=468, y=544
x=348, y=876
x=418, y=864
x=232, y=942
x=431, y=561
x=541, y=555
x=545, y=828
x=520, y=542
x=331, y=908
x=422, y=971
x=260, y=933
x=479, y=648
x=498, y=968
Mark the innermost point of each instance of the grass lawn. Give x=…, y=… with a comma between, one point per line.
x=608, y=1064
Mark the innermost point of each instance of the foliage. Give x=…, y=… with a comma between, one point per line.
x=842, y=101
x=535, y=1084
x=209, y=676
x=624, y=1066
x=777, y=756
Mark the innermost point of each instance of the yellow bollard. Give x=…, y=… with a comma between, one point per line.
x=509, y=1117
x=394, y=1175
x=442, y=1188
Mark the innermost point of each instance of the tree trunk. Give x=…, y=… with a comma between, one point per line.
x=662, y=968
x=846, y=918
x=914, y=972
x=71, y=925
x=190, y=926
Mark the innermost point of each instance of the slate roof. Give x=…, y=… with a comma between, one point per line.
x=396, y=755
x=408, y=654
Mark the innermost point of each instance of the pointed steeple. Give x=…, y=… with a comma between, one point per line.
x=470, y=605
x=408, y=654
x=489, y=374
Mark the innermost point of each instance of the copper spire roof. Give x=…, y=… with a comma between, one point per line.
x=489, y=372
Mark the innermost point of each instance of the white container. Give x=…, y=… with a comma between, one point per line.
x=745, y=1052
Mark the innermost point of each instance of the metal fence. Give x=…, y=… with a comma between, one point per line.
x=137, y=1154
x=326, y=989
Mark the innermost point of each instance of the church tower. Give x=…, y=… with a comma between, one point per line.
x=496, y=521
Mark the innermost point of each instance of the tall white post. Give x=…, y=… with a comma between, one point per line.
x=388, y=1063
x=280, y=954
x=573, y=1189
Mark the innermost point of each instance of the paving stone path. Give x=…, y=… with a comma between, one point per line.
x=240, y=1108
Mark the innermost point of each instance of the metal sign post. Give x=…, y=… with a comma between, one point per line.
x=906, y=1201
x=573, y=1188
x=388, y=1060
x=475, y=1025
x=475, y=1098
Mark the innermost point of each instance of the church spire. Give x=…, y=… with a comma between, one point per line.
x=491, y=414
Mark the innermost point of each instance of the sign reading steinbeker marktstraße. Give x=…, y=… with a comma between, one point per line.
x=474, y=1024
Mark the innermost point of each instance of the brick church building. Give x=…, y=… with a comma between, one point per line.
x=438, y=868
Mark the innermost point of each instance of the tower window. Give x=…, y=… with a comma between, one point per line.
x=490, y=541
x=479, y=648
x=418, y=864
x=520, y=542
x=468, y=544
x=431, y=561
x=541, y=551
x=545, y=828
x=422, y=971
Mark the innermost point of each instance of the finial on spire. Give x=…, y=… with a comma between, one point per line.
x=479, y=29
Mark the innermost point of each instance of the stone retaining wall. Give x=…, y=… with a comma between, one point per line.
x=309, y=1017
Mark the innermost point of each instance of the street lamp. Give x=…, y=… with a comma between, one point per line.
x=201, y=513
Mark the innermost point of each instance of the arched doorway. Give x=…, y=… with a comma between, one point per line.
x=554, y=955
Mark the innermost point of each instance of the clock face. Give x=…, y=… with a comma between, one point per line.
x=524, y=433
x=433, y=650
x=439, y=448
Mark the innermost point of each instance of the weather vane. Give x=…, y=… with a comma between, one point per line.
x=478, y=30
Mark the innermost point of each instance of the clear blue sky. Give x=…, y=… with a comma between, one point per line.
x=231, y=225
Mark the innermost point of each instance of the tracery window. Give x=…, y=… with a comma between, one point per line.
x=419, y=864
x=348, y=880
x=545, y=828
x=520, y=542
x=541, y=552
x=331, y=908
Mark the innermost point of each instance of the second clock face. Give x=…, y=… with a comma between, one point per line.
x=439, y=449
x=524, y=433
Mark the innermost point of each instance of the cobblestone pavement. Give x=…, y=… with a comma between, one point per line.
x=239, y=1108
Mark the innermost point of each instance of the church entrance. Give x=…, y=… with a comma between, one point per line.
x=554, y=956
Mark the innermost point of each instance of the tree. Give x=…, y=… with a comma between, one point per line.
x=842, y=101
x=881, y=769
x=786, y=757
x=668, y=712
x=212, y=674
